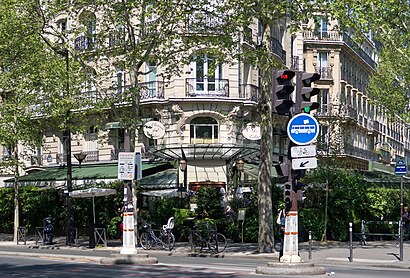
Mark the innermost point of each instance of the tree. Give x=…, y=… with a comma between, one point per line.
x=387, y=23
x=24, y=82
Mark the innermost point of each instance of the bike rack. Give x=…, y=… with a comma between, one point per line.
x=21, y=235
x=100, y=236
x=39, y=234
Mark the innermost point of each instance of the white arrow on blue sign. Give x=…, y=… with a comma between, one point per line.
x=303, y=129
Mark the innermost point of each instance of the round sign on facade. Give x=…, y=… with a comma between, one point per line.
x=303, y=129
x=154, y=130
x=252, y=132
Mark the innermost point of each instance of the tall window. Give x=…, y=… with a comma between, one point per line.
x=324, y=137
x=323, y=58
x=151, y=80
x=89, y=91
x=119, y=79
x=324, y=101
x=204, y=130
x=91, y=139
x=208, y=74
x=321, y=29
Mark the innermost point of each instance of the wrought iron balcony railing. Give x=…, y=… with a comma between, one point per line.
x=85, y=43
x=206, y=87
x=249, y=92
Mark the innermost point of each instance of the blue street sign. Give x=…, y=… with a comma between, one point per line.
x=401, y=168
x=303, y=129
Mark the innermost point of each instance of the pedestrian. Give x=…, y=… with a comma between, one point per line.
x=405, y=218
x=281, y=221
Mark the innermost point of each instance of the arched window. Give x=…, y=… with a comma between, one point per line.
x=204, y=130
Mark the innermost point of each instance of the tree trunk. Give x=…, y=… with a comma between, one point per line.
x=16, y=198
x=265, y=235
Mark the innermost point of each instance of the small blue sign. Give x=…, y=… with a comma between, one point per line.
x=303, y=129
x=401, y=168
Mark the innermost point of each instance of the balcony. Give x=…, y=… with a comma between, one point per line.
x=337, y=36
x=206, y=87
x=249, y=92
x=278, y=50
x=348, y=112
x=199, y=22
x=361, y=153
x=325, y=72
x=85, y=43
x=116, y=39
x=322, y=35
x=325, y=110
x=92, y=156
x=355, y=47
x=152, y=89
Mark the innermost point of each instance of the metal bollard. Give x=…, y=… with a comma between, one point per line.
x=310, y=245
x=351, y=241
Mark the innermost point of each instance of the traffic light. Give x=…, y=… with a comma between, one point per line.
x=298, y=174
x=282, y=89
x=304, y=92
x=287, y=195
x=282, y=170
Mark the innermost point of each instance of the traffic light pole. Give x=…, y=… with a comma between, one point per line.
x=291, y=240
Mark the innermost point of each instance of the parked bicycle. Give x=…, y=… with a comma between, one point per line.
x=207, y=236
x=166, y=238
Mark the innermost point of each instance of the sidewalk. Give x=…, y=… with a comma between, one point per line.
x=376, y=253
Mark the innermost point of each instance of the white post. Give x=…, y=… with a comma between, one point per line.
x=128, y=242
x=290, y=244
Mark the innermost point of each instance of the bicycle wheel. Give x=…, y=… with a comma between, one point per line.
x=217, y=243
x=168, y=241
x=195, y=242
x=146, y=241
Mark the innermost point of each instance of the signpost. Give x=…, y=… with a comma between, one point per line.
x=401, y=170
x=303, y=129
x=129, y=169
x=303, y=151
x=304, y=163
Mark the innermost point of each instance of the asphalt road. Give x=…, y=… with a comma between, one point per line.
x=169, y=266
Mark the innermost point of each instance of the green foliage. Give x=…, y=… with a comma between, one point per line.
x=208, y=203
x=311, y=219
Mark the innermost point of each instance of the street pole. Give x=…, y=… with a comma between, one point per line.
x=401, y=222
x=67, y=143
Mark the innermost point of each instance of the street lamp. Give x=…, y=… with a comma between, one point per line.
x=239, y=168
x=80, y=157
x=183, y=168
x=63, y=51
x=239, y=165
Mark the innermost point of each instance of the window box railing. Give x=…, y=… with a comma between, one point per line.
x=249, y=92
x=85, y=43
x=206, y=87
x=202, y=23
x=277, y=49
x=325, y=72
x=152, y=89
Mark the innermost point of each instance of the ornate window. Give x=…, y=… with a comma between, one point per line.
x=204, y=130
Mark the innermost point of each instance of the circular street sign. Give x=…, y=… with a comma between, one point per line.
x=303, y=129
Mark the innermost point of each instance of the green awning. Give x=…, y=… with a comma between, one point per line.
x=162, y=180
x=94, y=172
x=252, y=170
